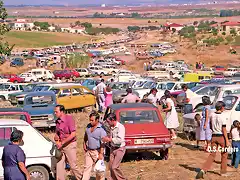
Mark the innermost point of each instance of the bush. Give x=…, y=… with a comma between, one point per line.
x=133, y=28
x=224, y=33
x=229, y=39
x=107, y=30
x=76, y=60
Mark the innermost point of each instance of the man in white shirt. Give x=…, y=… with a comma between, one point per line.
x=117, y=149
x=219, y=141
x=99, y=91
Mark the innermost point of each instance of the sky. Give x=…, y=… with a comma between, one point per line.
x=79, y=2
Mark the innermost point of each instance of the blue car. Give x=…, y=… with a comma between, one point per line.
x=17, y=62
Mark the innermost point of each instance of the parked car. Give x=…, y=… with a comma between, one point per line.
x=118, y=95
x=9, y=88
x=42, y=74
x=28, y=77
x=97, y=70
x=38, y=149
x=40, y=105
x=89, y=83
x=62, y=74
x=15, y=113
x=74, y=97
x=3, y=79
x=2, y=59
x=231, y=113
x=83, y=72
x=145, y=130
x=17, y=62
x=13, y=78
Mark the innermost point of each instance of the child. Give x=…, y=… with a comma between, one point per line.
x=235, y=143
x=205, y=130
x=198, y=120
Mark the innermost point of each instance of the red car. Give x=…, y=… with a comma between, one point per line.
x=120, y=60
x=15, y=113
x=13, y=78
x=145, y=130
x=66, y=74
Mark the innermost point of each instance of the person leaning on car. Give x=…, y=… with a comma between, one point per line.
x=65, y=139
x=131, y=98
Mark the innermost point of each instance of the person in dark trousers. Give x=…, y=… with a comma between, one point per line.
x=13, y=158
x=219, y=141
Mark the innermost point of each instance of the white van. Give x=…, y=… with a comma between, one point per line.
x=40, y=162
x=42, y=74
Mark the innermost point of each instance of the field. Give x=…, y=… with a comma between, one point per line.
x=43, y=39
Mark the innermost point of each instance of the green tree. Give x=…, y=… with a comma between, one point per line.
x=42, y=25
x=87, y=24
x=5, y=48
x=77, y=23
x=135, y=15
x=233, y=32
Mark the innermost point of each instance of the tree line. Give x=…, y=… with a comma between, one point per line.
x=228, y=13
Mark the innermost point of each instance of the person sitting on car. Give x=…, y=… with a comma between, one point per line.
x=131, y=98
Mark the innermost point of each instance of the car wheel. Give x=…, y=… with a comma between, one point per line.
x=63, y=78
x=31, y=81
x=2, y=98
x=113, y=72
x=15, y=81
x=102, y=74
x=38, y=172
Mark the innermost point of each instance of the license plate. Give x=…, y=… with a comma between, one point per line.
x=143, y=141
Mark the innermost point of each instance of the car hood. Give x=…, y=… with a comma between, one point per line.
x=147, y=129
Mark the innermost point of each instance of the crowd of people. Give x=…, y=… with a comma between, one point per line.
x=99, y=136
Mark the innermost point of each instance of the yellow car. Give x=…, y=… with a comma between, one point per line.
x=196, y=77
x=74, y=97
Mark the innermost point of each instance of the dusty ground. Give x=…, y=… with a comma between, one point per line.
x=183, y=161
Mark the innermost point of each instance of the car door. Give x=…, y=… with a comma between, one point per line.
x=64, y=97
x=78, y=98
x=88, y=96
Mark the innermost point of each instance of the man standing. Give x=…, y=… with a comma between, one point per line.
x=65, y=139
x=219, y=141
x=130, y=98
x=100, y=90
x=92, y=145
x=117, y=149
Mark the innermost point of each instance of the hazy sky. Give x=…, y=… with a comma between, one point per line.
x=76, y=2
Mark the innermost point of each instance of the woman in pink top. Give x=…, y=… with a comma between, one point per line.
x=108, y=96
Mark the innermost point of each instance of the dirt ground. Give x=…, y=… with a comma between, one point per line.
x=182, y=164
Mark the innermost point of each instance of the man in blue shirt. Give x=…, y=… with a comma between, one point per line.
x=93, y=146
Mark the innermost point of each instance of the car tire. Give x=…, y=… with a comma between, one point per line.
x=2, y=98
x=38, y=172
x=15, y=81
x=31, y=81
x=102, y=74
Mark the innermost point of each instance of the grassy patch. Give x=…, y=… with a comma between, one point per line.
x=237, y=41
x=43, y=39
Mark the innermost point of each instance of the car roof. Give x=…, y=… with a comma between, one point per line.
x=131, y=105
x=8, y=122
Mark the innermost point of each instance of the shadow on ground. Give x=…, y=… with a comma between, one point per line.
x=193, y=169
x=189, y=146
x=141, y=156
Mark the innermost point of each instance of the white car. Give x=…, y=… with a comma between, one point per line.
x=3, y=80
x=42, y=74
x=231, y=113
x=110, y=69
x=10, y=88
x=37, y=148
x=28, y=77
x=97, y=70
x=83, y=72
x=230, y=72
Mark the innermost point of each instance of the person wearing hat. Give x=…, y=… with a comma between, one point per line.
x=131, y=98
x=152, y=97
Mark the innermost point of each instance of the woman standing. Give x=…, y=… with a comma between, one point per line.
x=171, y=121
x=108, y=97
x=13, y=159
x=205, y=130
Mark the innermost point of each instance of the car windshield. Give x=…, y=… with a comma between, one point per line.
x=231, y=92
x=120, y=86
x=41, y=88
x=194, y=89
x=37, y=100
x=170, y=86
x=148, y=85
x=229, y=102
x=138, y=117
x=13, y=116
x=28, y=87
